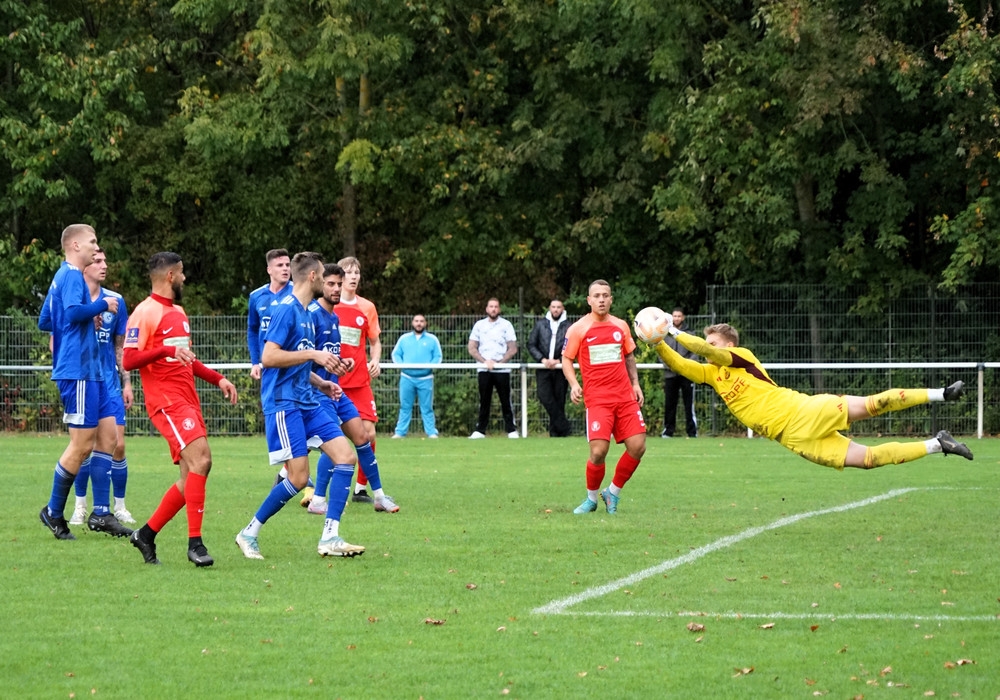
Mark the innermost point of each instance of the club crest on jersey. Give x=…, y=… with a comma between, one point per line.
x=360, y=320
x=187, y=424
x=595, y=426
x=187, y=328
x=617, y=335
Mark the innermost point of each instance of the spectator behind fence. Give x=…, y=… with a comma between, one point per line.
x=545, y=345
x=418, y=347
x=492, y=342
x=674, y=383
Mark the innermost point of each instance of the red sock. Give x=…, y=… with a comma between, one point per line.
x=194, y=494
x=170, y=504
x=595, y=475
x=624, y=469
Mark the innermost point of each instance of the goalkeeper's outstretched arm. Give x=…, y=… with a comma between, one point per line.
x=695, y=371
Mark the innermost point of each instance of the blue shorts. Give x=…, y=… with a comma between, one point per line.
x=343, y=409
x=290, y=432
x=118, y=403
x=84, y=402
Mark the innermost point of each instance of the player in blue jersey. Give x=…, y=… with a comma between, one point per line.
x=77, y=371
x=293, y=416
x=111, y=338
x=328, y=339
x=259, y=311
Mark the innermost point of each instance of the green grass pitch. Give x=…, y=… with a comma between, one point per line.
x=732, y=569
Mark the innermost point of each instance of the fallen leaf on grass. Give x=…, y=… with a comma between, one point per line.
x=698, y=639
x=964, y=662
x=767, y=626
x=581, y=674
x=810, y=681
x=501, y=628
x=745, y=671
x=695, y=627
x=432, y=621
x=842, y=650
x=885, y=671
x=471, y=586
x=813, y=628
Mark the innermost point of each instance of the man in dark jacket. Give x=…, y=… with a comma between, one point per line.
x=545, y=345
x=674, y=383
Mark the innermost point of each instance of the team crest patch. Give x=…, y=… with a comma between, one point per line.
x=595, y=426
x=132, y=334
x=187, y=424
x=360, y=320
x=617, y=335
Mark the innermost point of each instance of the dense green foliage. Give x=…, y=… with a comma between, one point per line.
x=513, y=147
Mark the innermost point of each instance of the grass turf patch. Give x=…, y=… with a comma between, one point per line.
x=892, y=593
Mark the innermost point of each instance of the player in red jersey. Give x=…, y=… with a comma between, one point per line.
x=358, y=325
x=603, y=346
x=158, y=344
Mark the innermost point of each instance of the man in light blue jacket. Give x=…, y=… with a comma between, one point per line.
x=418, y=347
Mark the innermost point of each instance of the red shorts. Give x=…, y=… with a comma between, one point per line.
x=623, y=420
x=180, y=424
x=364, y=400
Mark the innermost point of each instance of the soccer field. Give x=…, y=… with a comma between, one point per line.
x=732, y=569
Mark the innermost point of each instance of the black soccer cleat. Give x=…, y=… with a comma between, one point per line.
x=362, y=497
x=951, y=446
x=58, y=526
x=954, y=391
x=199, y=556
x=108, y=524
x=148, y=549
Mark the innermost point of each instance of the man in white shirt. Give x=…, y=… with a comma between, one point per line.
x=493, y=342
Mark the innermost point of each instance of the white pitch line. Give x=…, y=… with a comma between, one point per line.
x=558, y=607
x=733, y=615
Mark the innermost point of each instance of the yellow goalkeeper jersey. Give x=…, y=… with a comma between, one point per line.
x=738, y=377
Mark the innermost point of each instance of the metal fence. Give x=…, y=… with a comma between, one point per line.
x=782, y=325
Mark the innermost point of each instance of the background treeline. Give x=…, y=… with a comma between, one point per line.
x=519, y=147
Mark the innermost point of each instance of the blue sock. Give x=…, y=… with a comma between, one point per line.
x=276, y=500
x=340, y=489
x=324, y=466
x=366, y=458
x=119, y=477
x=100, y=477
x=62, y=482
x=82, y=477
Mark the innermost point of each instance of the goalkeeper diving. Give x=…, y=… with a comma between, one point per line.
x=809, y=426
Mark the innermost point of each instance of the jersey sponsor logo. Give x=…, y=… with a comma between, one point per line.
x=591, y=339
x=605, y=353
x=265, y=321
x=332, y=348
x=167, y=330
x=350, y=336
x=305, y=344
x=132, y=334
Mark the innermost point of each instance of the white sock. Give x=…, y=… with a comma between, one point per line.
x=377, y=494
x=935, y=394
x=331, y=528
x=253, y=529
x=933, y=446
x=81, y=501
x=595, y=496
x=119, y=503
x=614, y=490
x=318, y=500
x=360, y=488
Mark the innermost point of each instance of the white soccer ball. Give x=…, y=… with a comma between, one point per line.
x=651, y=324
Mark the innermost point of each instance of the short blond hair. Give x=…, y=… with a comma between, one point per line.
x=74, y=231
x=725, y=330
x=349, y=262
